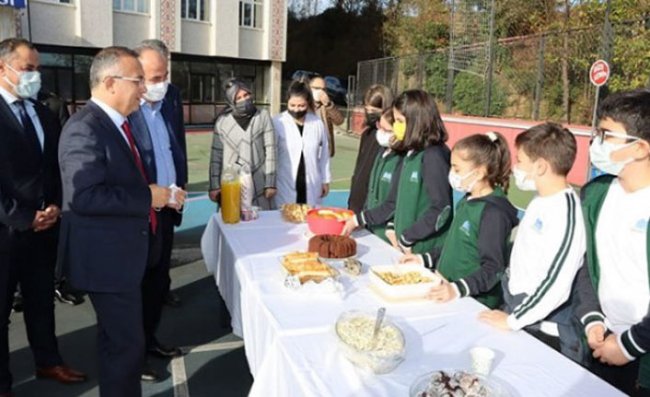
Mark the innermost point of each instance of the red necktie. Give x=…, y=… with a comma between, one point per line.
x=153, y=221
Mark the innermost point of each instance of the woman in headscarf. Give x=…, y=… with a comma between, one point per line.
x=244, y=136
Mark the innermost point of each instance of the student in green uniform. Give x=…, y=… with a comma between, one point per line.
x=382, y=184
x=475, y=255
x=422, y=212
x=613, y=287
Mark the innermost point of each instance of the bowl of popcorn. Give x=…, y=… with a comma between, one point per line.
x=381, y=353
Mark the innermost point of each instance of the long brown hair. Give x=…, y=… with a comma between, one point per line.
x=489, y=150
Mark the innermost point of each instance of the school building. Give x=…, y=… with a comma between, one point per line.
x=210, y=41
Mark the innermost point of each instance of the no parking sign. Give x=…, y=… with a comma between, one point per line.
x=599, y=73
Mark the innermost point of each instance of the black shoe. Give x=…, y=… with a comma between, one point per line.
x=172, y=299
x=149, y=375
x=164, y=351
x=70, y=298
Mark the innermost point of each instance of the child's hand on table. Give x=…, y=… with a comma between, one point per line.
x=495, y=318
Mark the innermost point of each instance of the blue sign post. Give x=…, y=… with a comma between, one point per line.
x=13, y=3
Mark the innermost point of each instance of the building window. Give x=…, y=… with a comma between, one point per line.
x=140, y=6
x=250, y=13
x=194, y=9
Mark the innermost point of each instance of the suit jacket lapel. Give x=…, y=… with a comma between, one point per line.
x=7, y=114
x=142, y=137
x=114, y=132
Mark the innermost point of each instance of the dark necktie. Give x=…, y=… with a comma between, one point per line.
x=153, y=221
x=28, y=129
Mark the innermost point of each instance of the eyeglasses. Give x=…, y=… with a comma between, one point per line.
x=602, y=133
x=138, y=80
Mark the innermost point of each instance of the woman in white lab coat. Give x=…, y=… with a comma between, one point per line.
x=303, y=166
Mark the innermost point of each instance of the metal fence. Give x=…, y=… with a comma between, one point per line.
x=529, y=79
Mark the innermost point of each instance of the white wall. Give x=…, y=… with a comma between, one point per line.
x=226, y=30
x=7, y=23
x=133, y=28
x=52, y=23
x=251, y=44
x=195, y=37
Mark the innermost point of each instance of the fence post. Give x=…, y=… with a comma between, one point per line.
x=490, y=65
x=539, y=84
x=449, y=92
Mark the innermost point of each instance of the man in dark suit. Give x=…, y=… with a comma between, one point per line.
x=29, y=138
x=160, y=136
x=108, y=211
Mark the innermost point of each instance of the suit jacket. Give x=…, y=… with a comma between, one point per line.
x=172, y=112
x=106, y=200
x=29, y=182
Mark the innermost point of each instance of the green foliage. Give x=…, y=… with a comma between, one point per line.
x=469, y=95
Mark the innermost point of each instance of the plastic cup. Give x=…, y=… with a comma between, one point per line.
x=482, y=359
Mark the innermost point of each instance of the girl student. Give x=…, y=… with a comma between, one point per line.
x=377, y=99
x=379, y=206
x=474, y=255
x=303, y=167
x=423, y=197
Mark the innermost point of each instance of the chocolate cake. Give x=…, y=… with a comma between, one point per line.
x=330, y=246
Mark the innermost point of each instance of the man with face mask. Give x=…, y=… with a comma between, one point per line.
x=29, y=138
x=244, y=137
x=160, y=136
x=325, y=108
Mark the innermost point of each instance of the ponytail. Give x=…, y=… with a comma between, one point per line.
x=489, y=150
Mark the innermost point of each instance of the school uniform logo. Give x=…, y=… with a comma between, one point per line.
x=641, y=225
x=415, y=177
x=538, y=225
x=386, y=176
x=465, y=228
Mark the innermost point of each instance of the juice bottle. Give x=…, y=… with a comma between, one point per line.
x=230, y=195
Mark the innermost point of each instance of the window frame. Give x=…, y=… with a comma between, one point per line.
x=255, y=6
x=136, y=3
x=201, y=6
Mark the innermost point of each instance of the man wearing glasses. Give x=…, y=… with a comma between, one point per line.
x=108, y=212
x=29, y=231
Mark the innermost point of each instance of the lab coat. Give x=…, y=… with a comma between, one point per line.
x=314, y=144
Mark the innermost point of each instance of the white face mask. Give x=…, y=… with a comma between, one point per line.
x=456, y=181
x=601, y=152
x=316, y=92
x=383, y=137
x=29, y=83
x=523, y=181
x=156, y=92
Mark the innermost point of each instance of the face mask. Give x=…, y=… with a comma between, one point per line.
x=522, y=180
x=399, y=129
x=601, y=152
x=372, y=119
x=244, y=108
x=29, y=83
x=456, y=181
x=297, y=114
x=156, y=92
x=383, y=137
x=316, y=92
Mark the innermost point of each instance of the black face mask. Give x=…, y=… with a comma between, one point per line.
x=244, y=108
x=298, y=115
x=372, y=118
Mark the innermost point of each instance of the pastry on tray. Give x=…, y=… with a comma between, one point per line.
x=296, y=213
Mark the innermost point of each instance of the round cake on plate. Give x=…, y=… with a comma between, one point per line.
x=330, y=246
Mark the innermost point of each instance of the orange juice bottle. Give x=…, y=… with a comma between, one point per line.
x=230, y=196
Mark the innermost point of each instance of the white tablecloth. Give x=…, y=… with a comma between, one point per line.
x=291, y=348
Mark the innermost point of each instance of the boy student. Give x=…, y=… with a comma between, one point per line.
x=613, y=287
x=550, y=242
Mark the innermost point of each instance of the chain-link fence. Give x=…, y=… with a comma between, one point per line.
x=539, y=77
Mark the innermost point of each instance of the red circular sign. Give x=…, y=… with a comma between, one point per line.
x=599, y=73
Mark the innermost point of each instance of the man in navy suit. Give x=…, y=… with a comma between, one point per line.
x=108, y=212
x=160, y=136
x=29, y=135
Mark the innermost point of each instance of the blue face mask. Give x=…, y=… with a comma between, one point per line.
x=29, y=83
x=601, y=151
